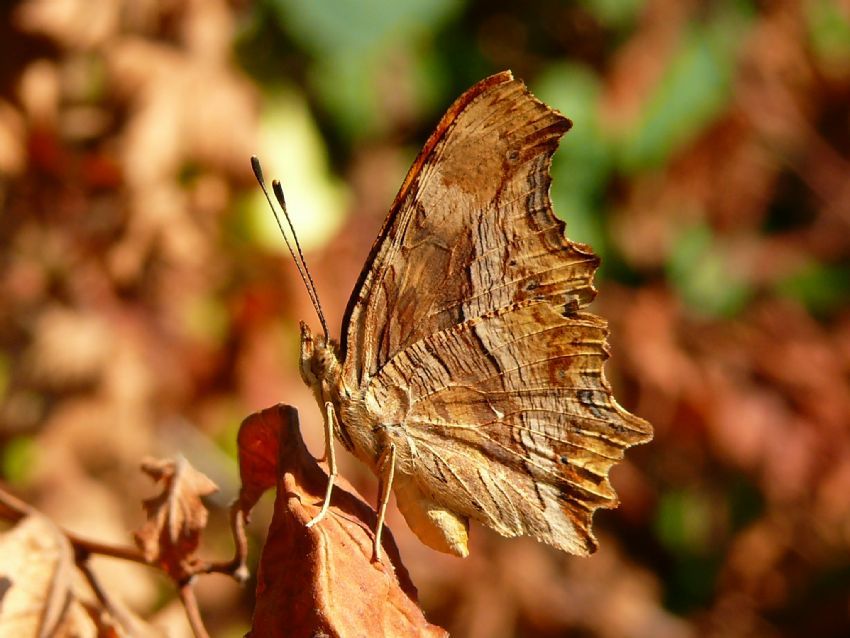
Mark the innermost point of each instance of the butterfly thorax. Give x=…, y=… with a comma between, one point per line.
x=321, y=370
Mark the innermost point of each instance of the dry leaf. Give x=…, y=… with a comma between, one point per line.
x=43, y=594
x=176, y=517
x=37, y=572
x=321, y=580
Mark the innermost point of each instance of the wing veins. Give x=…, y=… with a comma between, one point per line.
x=551, y=477
x=507, y=370
x=515, y=281
x=448, y=466
x=481, y=427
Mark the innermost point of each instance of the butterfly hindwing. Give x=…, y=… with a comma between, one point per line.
x=512, y=422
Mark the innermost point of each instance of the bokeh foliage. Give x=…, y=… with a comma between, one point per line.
x=147, y=303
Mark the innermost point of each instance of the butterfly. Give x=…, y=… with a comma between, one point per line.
x=469, y=376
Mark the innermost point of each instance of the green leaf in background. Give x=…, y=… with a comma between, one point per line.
x=744, y=502
x=355, y=42
x=205, y=318
x=616, y=14
x=698, y=268
x=582, y=164
x=350, y=88
x=683, y=522
x=684, y=526
x=694, y=89
x=821, y=289
x=351, y=27
x=5, y=373
x=293, y=151
x=829, y=31
x=18, y=459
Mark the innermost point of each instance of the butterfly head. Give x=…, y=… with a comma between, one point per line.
x=319, y=361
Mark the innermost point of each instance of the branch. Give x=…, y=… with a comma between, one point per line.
x=190, y=604
x=14, y=509
x=237, y=567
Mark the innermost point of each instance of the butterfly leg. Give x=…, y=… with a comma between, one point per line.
x=330, y=415
x=386, y=465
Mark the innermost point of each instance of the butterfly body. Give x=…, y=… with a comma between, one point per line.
x=469, y=376
x=363, y=427
x=367, y=424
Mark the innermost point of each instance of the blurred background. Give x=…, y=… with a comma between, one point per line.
x=147, y=302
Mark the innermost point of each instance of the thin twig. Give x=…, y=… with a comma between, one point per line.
x=14, y=509
x=115, y=551
x=115, y=611
x=190, y=604
x=236, y=567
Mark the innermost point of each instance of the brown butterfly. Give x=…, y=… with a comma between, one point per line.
x=468, y=378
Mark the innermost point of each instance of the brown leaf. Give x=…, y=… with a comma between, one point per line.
x=36, y=577
x=36, y=563
x=42, y=593
x=321, y=580
x=176, y=517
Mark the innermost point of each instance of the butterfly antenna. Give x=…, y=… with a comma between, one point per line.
x=299, y=260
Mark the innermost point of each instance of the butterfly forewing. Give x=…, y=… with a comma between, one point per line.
x=469, y=309
x=471, y=231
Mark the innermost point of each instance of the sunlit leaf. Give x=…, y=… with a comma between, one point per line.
x=293, y=152
x=36, y=564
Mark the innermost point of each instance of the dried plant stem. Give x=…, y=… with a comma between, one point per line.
x=14, y=509
x=115, y=611
x=190, y=604
x=236, y=567
x=115, y=551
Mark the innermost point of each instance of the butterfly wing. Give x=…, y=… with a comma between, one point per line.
x=512, y=423
x=471, y=230
x=469, y=306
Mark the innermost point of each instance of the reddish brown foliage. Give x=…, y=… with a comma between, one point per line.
x=319, y=580
x=176, y=517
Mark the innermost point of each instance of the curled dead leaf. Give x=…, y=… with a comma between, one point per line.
x=319, y=580
x=42, y=593
x=176, y=517
x=36, y=565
